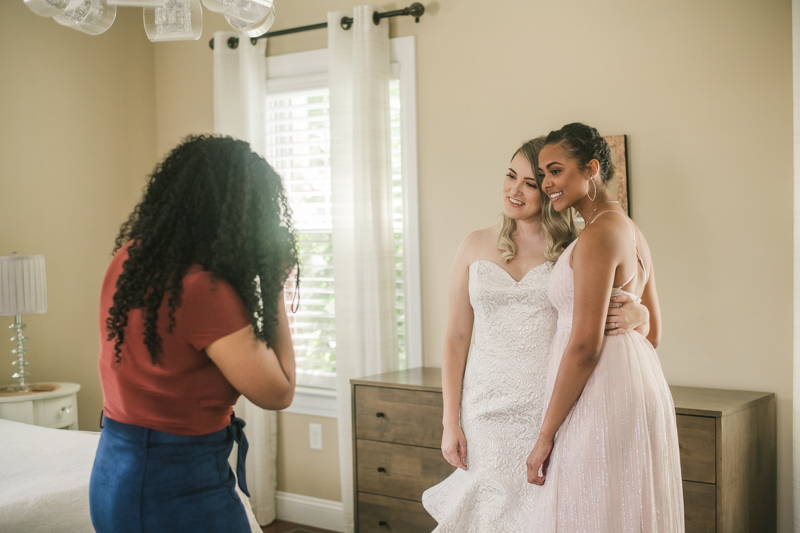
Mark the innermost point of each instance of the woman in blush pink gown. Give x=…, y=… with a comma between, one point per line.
x=607, y=453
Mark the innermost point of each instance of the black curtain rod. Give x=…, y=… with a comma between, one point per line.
x=414, y=10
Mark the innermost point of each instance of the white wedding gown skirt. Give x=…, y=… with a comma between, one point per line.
x=501, y=404
x=615, y=465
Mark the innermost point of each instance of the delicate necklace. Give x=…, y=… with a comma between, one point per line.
x=589, y=218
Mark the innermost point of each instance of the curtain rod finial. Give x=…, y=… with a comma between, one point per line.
x=416, y=10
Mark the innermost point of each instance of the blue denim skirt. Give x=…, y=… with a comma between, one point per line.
x=146, y=481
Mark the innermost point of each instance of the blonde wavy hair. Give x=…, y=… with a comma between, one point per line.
x=560, y=229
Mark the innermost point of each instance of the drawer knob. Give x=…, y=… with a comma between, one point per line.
x=380, y=415
x=67, y=409
x=381, y=469
x=383, y=523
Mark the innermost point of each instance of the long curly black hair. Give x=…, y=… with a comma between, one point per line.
x=215, y=203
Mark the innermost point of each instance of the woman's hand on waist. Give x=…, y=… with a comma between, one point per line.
x=625, y=314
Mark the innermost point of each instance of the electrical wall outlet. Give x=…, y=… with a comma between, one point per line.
x=315, y=436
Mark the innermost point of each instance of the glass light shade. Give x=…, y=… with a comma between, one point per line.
x=247, y=11
x=89, y=16
x=136, y=3
x=50, y=8
x=177, y=20
x=253, y=29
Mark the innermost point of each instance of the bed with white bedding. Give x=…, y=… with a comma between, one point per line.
x=44, y=479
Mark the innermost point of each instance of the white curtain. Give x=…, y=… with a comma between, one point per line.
x=239, y=111
x=363, y=239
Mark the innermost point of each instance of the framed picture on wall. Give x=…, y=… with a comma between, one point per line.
x=619, y=186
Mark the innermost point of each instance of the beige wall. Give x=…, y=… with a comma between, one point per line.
x=703, y=90
x=302, y=470
x=184, y=84
x=77, y=116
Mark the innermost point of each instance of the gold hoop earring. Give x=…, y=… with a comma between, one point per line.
x=591, y=198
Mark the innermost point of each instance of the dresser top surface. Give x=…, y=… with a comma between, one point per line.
x=715, y=402
x=421, y=378
x=688, y=400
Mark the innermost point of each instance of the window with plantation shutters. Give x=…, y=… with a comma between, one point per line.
x=298, y=147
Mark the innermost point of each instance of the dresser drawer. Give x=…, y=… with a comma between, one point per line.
x=60, y=412
x=398, y=415
x=398, y=470
x=700, y=507
x=380, y=514
x=698, y=447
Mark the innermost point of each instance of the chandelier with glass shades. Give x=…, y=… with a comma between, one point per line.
x=164, y=20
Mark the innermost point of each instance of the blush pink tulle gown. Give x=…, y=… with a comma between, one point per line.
x=615, y=464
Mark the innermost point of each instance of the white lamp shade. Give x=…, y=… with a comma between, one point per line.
x=23, y=287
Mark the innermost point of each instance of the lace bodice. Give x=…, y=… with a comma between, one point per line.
x=514, y=318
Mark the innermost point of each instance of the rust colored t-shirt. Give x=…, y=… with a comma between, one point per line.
x=185, y=393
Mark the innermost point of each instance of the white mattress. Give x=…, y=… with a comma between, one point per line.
x=44, y=479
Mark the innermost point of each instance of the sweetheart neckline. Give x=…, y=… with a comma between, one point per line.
x=506, y=271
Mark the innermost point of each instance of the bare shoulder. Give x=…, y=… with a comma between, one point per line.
x=606, y=236
x=477, y=243
x=621, y=231
x=483, y=236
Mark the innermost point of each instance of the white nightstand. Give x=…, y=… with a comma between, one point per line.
x=53, y=409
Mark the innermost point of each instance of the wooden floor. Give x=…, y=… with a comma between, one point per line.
x=279, y=526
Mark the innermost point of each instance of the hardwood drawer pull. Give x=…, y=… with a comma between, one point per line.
x=381, y=469
x=380, y=415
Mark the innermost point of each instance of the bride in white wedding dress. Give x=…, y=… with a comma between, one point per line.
x=493, y=400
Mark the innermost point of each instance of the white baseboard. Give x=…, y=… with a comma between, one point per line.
x=310, y=511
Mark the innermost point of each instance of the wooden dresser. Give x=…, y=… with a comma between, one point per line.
x=727, y=446
x=728, y=459
x=397, y=438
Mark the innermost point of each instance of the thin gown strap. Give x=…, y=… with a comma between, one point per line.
x=639, y=259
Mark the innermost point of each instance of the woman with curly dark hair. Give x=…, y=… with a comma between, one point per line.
x=191, y=317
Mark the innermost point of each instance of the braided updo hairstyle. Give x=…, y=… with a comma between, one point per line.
x=212, y=202
x=584, y=143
